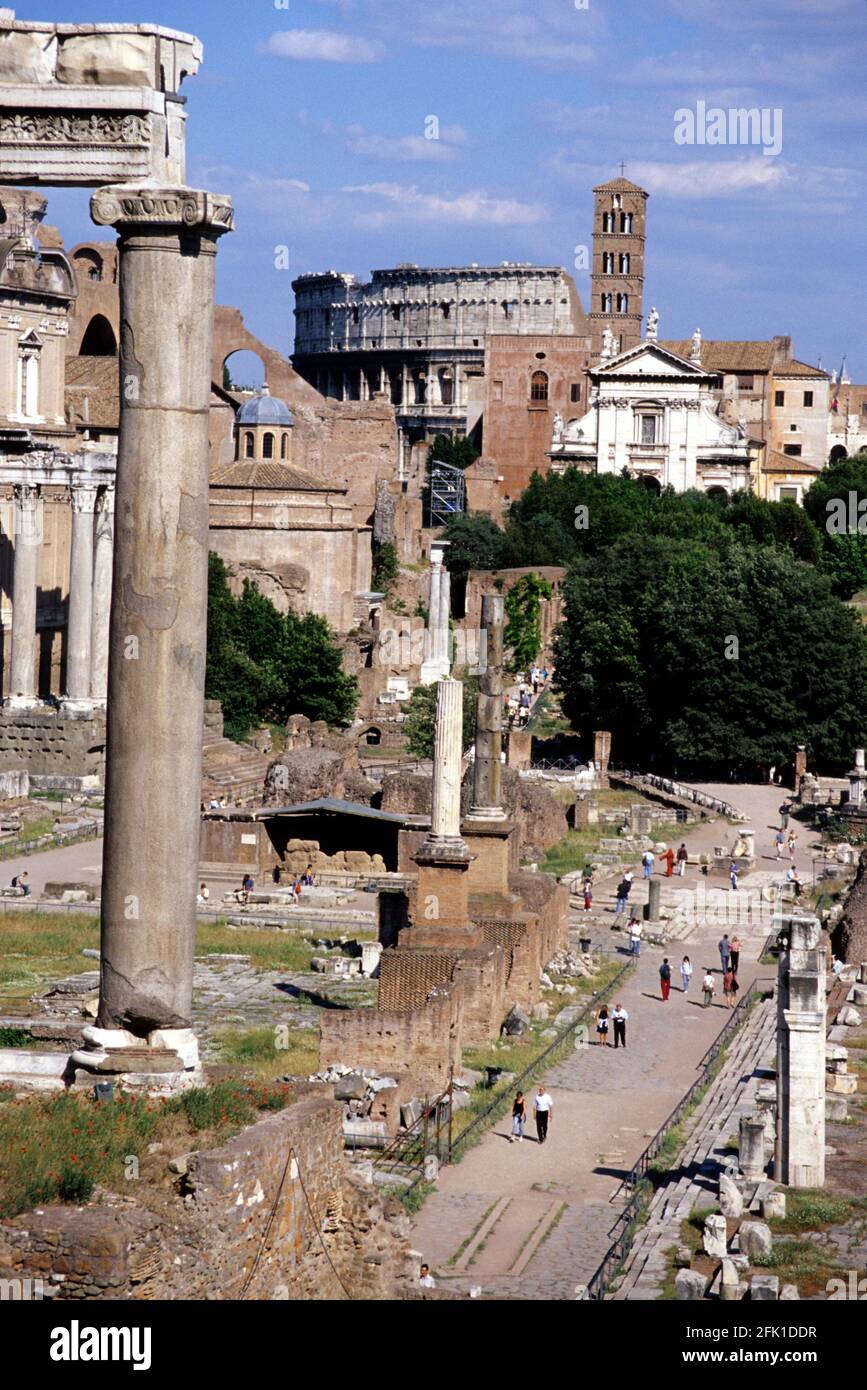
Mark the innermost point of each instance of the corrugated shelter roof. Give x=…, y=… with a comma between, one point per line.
x=332, y=805
x=272, y=476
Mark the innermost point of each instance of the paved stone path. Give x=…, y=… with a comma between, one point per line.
x=607, y=1105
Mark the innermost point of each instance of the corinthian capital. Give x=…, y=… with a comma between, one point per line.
x=128, y=206
x=83, y=499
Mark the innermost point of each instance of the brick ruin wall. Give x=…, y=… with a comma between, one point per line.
x=203, y=1241
x=52, y=746
x=426, y=1040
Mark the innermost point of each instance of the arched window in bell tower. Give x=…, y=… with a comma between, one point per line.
x=248, y=445
x=268, y=446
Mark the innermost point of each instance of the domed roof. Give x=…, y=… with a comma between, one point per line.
x=264, y=409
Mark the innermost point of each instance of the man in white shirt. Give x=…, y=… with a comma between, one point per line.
x=619, y=1017
x=543, y=1107
x=425, y=1278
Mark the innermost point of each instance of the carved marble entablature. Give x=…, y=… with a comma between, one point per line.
x=91, y=104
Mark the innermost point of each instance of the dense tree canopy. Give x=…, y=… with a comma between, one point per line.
x=837, y=505
x=711, y=655
x=263, y=665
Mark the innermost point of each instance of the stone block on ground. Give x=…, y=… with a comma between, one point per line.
x=351, y=1087
x=765, y=1288
x=789, y=1292
x=755, y=1239
x=774, y=1204
x=836, y=1109
x=690, y=1285
x=714, y=1239
x=731, y=1201
x=848, y=1016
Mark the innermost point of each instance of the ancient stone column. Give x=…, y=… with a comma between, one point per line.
x=444, y=612
x=167, y=246
x=489, y=717
x=799, y=1159
x=430, y=669
x=78, y=629
x=102, y=565
x=28, y=537
x=654, y=897
x=448, y=752
x=441, y=918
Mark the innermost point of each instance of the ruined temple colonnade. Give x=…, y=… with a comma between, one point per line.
x=88, y=480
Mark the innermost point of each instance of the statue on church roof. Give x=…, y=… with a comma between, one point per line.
x=652, y=326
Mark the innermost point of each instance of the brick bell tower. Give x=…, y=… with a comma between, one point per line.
x=619, y=224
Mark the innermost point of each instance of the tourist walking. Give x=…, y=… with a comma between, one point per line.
x=784, y=815
x=519, y=1118
x=708, y=985
x=724, y=946
x=793, y=840
x=665, y=979
x=543, y=1106
x=635, y=937
x=668, y=856
x=730, y=988
x=735, y=953
x=588, y=893
x=685, y=974
x=602, y=1026
x=734, y=870
x=682, y=857
x=619, y=1018
x=780, y=842
x=624, y=888
x=647, y=862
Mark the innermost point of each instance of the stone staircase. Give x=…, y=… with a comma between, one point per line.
x=234, y=770
x=703, y=1155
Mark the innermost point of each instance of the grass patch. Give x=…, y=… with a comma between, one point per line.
x=812, y=1209
x=59, y=1148
x=271, y=1052
x=575, y=851
x=14, y=1037
x=801, y=1262
x=39, y=947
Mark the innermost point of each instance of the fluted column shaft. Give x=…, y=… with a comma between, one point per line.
x=102, y=564
x=448, y=750
x=78, y=628
x=487, y=769
x=28, y=537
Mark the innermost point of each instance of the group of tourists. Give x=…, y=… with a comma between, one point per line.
x=543, y=1106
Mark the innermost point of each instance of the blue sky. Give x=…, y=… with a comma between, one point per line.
x=313, y=117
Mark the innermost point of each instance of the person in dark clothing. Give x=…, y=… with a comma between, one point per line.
x=519, y=1117
x=665, y=979
x=543, y=1107
x=624, y=888
x=619, y=1017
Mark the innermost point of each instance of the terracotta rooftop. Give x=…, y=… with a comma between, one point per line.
x=273, y=476
x=792, y=367
x=727, y=355
x=92, y=391
x=619, y=185
x=776, y=462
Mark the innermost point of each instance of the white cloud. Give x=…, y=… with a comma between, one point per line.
x=412, y=149
x=712, y=178
x=323, y=46
x=410, y=204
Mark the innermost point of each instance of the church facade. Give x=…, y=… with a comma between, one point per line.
x=655, y=416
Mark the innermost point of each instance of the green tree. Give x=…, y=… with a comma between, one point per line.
x=457, y=451
x=837, y=505
x=475, y=543
x=421, y=716
x=385, y=566
x=711, y=656
x=264, y=665
x=523, y=631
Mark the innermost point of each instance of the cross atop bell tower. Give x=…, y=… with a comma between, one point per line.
x=617, y=281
